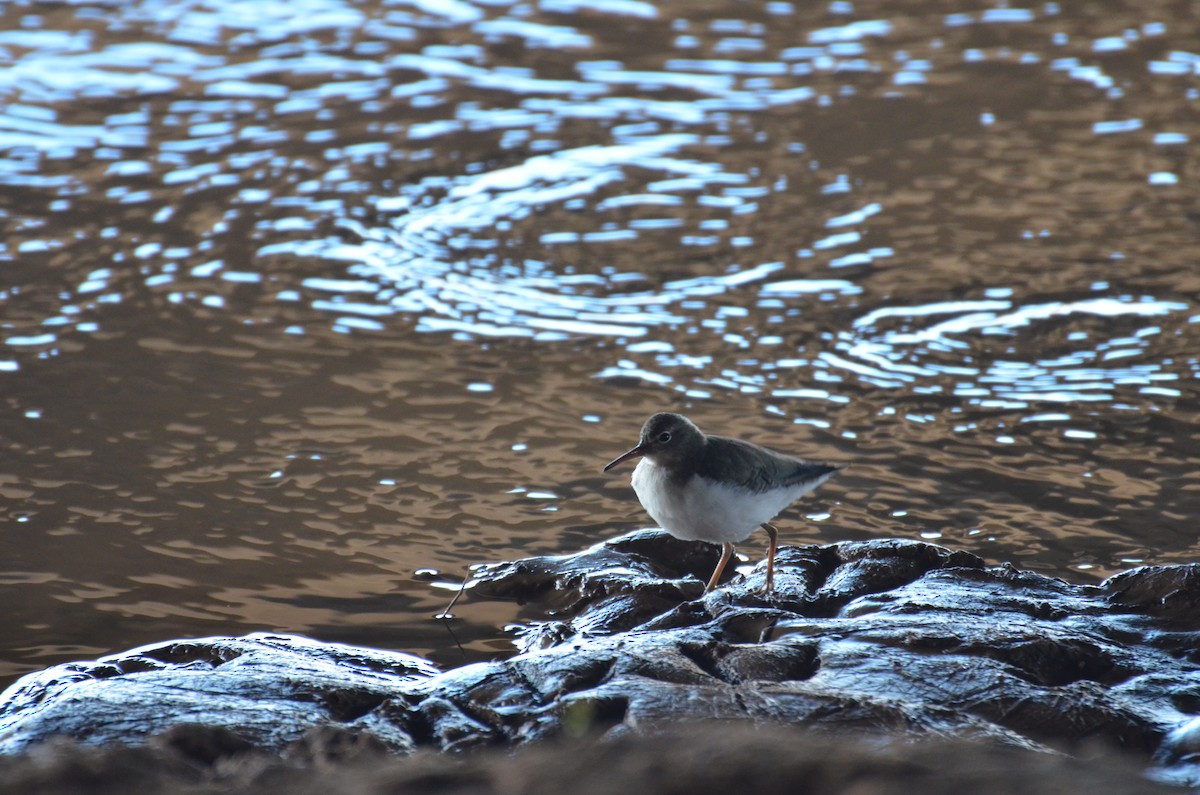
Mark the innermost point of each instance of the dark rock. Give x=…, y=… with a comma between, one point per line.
x=1166, y=592
x=706, y=759
x=889, y=637
x=261, y=691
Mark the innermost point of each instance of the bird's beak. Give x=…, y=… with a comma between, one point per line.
x=636, y=452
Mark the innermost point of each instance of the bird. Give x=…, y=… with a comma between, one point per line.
x=702, y=487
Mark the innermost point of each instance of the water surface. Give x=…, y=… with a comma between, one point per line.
x=306, y=307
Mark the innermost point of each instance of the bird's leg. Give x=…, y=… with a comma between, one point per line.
x=772, y=548
x=726, y=554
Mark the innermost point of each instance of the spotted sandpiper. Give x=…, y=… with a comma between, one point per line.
x=715, y=489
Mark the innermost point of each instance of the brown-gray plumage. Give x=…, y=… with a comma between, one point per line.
x=756, y=468
x=716, y=489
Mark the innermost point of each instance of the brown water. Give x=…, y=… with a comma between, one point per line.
x=299, y=301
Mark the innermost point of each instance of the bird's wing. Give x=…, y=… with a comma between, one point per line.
x=737, y=462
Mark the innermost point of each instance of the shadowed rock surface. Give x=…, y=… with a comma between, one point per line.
x=698, y=760
x=888, y=637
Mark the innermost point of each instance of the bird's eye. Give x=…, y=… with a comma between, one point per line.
x=664, y=437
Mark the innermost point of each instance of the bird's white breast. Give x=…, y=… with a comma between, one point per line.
x=708, y=510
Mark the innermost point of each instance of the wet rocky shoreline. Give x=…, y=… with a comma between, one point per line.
x=893, y=640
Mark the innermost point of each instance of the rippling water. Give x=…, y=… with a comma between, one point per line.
x=307, y=306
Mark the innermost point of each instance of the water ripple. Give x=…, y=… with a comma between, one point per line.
x=420, y=260
x=914, y=353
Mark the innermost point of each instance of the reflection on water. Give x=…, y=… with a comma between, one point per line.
x=298, y=299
